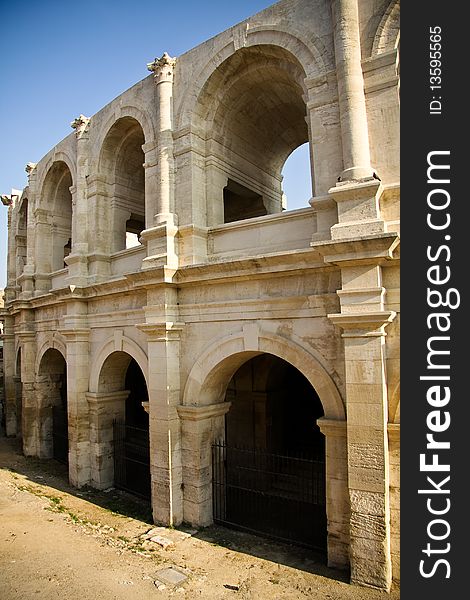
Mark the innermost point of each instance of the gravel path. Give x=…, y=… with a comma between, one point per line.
x=59, y=542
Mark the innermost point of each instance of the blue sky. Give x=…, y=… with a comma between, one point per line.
x=61, y=58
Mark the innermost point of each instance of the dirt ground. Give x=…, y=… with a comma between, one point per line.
x=60, y=542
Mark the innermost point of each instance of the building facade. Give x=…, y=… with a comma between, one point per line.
x=155, y=280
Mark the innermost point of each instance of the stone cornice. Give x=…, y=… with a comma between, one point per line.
x=331, y=427
x=349, y=251
x=364, y=324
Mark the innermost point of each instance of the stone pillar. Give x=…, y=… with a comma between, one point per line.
x=99, y=236
x=368, y=455
x=363, y=319
x=29, y=426
x=163, y=70
x=104, y=408
x=352, y=104
x=160, y=238
x=11, y=201
x=78, y=373
x=164, y=398
x=337, y=494
x=201, y=426
x=27, y=277
x=77, y=259
x=9, y=360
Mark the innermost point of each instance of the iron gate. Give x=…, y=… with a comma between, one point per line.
x=60, y=434
x=132, y=459
x=275, y=495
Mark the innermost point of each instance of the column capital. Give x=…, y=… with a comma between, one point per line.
x=80, y=124
x=166, y=330
x=366, y=324
x=198, y=413
x=163, y=68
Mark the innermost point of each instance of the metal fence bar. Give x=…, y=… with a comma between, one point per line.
x=132, y=459
x=277, y=495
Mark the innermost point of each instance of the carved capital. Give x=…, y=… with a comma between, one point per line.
x=80, y=125
x=30, y=168
x=163, y=68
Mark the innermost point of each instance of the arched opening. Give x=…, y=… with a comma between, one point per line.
x=22, y=237
x=255, y=114
x=57, y=200
x=269, y=471
x=122, y=380
x=52, y=400
x=297, y=179
x=121, y=162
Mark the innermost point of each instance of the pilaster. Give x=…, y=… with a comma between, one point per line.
x=78, y=372
x=103, y=409
x=164, y=340
x=200, y=427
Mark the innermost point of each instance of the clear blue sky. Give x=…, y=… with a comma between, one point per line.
x=61, y=58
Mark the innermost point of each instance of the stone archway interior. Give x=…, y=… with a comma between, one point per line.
x=274, y=455
x=52, y=388
x=121, y=163
x=256, y=114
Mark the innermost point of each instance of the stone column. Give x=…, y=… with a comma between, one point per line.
x=160, y=238
x=354, y=129
x=337, y=494
x=27, y=277
x=77, y=259
x=78, y=373
x=201, y=426
x=163, y=70
x=164, y=398
x=104, y=408
x=10, y=201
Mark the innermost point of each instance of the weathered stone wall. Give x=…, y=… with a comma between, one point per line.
x=198, y=296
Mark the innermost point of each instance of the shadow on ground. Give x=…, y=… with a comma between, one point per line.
x=55, y=475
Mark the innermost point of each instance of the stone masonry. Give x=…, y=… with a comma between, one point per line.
x=156, y=231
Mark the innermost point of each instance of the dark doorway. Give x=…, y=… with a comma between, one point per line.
x=269, y=473
x=131, y=438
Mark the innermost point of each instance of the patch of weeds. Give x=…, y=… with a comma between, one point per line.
x=124, y=539
x=275, y=581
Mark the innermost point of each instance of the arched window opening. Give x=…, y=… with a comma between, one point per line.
x=297, y=179
x=57, y=200
x=255, y=116
x=121, y=163
x=22, y=237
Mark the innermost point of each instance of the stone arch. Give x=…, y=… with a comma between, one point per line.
x=57, y=156
x=133, y=112
x=121, y=166
x=387, y=34
x=57, y=342
x=56, y=201
x=126, y=345
x=250, y=108
x=309, y=53
x=211, y=373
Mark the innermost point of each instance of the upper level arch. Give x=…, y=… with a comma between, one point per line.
x=251, y=111
x=121, y=166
